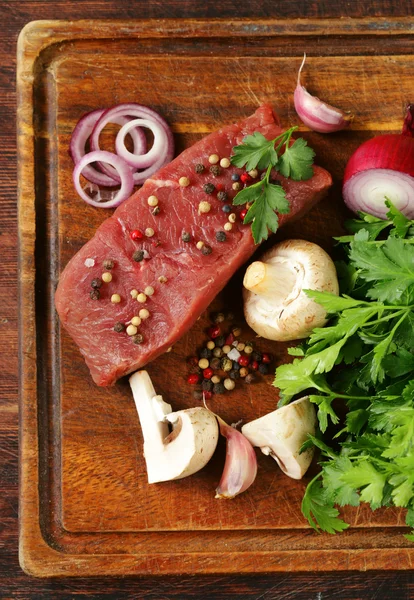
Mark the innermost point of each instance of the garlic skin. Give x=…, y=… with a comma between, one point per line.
x=315, y=113
x=240, y=468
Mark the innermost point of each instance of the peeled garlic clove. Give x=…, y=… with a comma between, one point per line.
x=315, y=113
x=240, y=468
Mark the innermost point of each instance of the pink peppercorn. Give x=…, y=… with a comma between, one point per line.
x=136, y=235
x=243, y=213
x=244, y=361
x=267, y=358
x=208, y=373
x=214, y=332
x=255, y=365
x=230, y=339
x=193, y=379
x=245, y=177
x=208, y=395
x=219, y=187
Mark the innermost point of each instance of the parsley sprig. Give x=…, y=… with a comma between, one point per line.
x=364, y=358
x=268, y=198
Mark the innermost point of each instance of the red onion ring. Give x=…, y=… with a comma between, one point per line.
x=143, y=112
x=125, y=174
x=157, y=149
x=80, y=136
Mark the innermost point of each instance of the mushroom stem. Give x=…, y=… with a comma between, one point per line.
x=273, y=280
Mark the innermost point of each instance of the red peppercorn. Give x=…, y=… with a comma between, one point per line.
x=255, y=365
x=267, y=358
x=230, y=339
x=219, y=187
x=208, y=373
x=136, y=235
x=193, y=379
x=243, y=213
x=244, y=361
x=245, y=177
x=214, y=332
x=208, y=395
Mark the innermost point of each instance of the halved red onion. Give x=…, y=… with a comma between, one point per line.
x=143, y=160
x=143, y=112
x=80, y=136
x=122, y=168
x=382, y=168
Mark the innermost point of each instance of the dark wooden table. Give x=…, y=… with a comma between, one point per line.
x=13, y=582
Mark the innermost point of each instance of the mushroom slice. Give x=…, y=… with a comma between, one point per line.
x=181, y=452
x=275, y=305
x=282, y=433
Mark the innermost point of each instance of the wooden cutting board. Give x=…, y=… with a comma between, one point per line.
x=85, y=506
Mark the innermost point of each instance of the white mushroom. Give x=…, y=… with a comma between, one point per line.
x=181, y=452
x=275, y=305
x=282, y=433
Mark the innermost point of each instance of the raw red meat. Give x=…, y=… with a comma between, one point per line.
x=193, y=279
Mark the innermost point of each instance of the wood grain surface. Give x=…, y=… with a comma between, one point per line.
x=15, y=584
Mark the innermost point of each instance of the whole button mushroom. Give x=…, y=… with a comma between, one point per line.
x=276, y=306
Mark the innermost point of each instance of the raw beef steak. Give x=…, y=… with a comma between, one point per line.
x=185, y=278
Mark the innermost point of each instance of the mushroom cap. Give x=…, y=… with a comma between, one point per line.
x=296, y=315
x=282, y=433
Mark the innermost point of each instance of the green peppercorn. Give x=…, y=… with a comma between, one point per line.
x=138, y=255
x=119, y=327
x=138, y=338
x=185, y=236
x=96, y=283
x=95, y=294
x=199, y=168
x=222, y=196
x=108, y=264
x=219, y=388
x=208, y=188
x=206, y=250
x=221, y=236
x=226, y=364
x=215, y=170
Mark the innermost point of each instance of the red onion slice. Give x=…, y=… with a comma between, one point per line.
x=80, y=136
x=143, y=112
x=123, y=169
x=368, y=190
x=157, y=149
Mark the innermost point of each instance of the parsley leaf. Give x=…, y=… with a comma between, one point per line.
x=319, y=509
x=364, y=475
x=254, y=152
x=297, y=161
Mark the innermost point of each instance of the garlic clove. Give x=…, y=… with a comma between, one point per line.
x=315, y=113
x=240, y=468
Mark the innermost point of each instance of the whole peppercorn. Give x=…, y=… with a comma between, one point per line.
x=94, y=294
x=255, y=365
x=138, y=255
x=138, y=339
x=244, y=361
x=206, y=250
x=225, y=163
x=218, y=318
x=96, y=283
x=209, y=188
x=254, y=173
x=226, y=208
x=208, y=373
x=234, y=374
x=229, y=384
x=250, y=378
x=119, y=327
x=248, y=349
x=203, y=363
x=193, y=379
x=136, y=235
x=230, y=339
x=215, y=170
x=216, y=379
x=185, y=236
x=243, y=372
x=210, y=345
x=236, y=365
x=245, y=177
x=256, y=356
x=235, y=177
x=236, y=331
x=229, y=316
x=219, y=388
x=207, y=395
x=263, y=369
x=236, y=186
x=156, y=211
x=226, y=364
x=221, y=236
x=199, y=168
x=197, y=395
x=215, y=364
x=206, y=353
x=222, y=196
x=220, y=340
x=243, y=214
x=218, y=352
x=214, y=332
x=226, y=348
x=108, y=264
x=207, y=385
x=267, y=358
x=240, y=346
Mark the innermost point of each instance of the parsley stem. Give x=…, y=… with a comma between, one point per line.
x=387, y=318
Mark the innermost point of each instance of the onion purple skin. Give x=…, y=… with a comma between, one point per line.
x=381, y=168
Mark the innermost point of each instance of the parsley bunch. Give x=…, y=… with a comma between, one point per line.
x=268, y=198
x=365, y=359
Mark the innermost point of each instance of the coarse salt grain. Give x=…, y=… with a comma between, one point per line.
x=234, y=354
x=89, y=262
